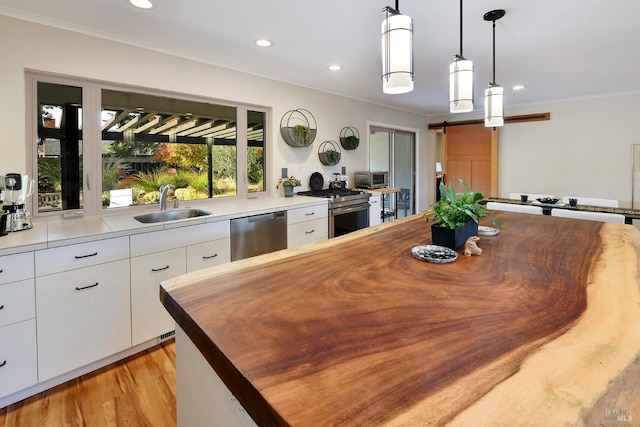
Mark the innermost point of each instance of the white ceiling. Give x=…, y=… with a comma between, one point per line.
x=559, y=49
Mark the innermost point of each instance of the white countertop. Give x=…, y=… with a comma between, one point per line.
x=59, y=232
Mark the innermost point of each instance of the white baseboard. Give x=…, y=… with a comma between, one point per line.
x=45, y=385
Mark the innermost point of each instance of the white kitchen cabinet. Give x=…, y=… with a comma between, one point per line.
x=83, y=315
x=149, y=319
x=16, y=267
x=161, y=255
x=70, y=257
x=306, y=232
x=17, y=302
x=18, y=354
x=208, y=254
x=375, y=208
x=308, y=213
x=146, y=243
x=18, y=357
x=307, y=224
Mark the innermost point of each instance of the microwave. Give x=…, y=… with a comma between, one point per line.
x=366, y=179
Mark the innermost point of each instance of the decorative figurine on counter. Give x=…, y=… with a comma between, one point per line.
x=471, y=246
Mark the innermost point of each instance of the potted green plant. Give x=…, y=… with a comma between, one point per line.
x=302, y=134
x=456, y=215
x=288, y=184
x=350, y=142
x=332, y=157
x=349, y=138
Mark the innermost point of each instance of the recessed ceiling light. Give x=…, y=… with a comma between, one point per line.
x=518, y=87
x=264, y=43
x=142, y=4
x=335, y=67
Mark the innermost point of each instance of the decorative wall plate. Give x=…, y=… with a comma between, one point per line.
x=316, y=182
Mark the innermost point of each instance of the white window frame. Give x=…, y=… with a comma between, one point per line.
x=92, y=141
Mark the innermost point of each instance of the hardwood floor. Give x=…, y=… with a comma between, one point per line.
x=137, y=391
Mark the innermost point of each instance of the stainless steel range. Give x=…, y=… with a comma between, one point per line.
x=348, y=209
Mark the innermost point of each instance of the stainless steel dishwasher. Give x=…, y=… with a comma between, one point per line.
x=258, y=234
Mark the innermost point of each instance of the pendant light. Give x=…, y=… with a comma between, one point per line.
x=461, y=80
x=494, y=93
x=397, y=52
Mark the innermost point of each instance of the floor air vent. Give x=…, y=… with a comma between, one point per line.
x=166, y=336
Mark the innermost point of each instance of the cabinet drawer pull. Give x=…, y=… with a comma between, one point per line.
x=209, y=256
x=1, y=306
x=82, y=288
x=1, y=270
x=4, y=362
x=160, y=269
x=309, y=232
x=86, y=256
x=309, y=214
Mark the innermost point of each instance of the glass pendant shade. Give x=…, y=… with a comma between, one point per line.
x=494, y=106
x=461, y=85
x=397, y=54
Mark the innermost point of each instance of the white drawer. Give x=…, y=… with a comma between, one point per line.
x=18, y=357
x=16, y=267
x=157, y=241
x=71, y=257
x=307, y=232
x=208, y=254
x=17, y=302
x=308, y=213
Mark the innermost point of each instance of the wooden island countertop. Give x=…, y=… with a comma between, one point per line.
x=542, y=329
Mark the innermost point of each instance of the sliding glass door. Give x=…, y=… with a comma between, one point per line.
x=394, y=151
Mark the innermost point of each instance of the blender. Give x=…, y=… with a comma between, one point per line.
x=16, y=190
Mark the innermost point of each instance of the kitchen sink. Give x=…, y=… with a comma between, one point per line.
x=162, y=216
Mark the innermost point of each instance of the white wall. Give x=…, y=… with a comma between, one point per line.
x=584, y=150
x=25, y=45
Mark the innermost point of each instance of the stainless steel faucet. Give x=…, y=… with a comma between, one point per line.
x=164, y=189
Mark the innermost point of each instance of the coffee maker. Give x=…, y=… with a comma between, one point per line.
x=15, y=190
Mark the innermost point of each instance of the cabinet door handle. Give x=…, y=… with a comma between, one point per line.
x=1, y=306
x=209, y=256
x=1, y=270
x=309, y=214
x=160, y=269
x=82, y=288
x=309, y=232
x=86, y=256
x=4, y=362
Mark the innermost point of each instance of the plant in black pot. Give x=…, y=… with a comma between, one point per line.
x=350, y=142
x=455, y=217
x=288, y=184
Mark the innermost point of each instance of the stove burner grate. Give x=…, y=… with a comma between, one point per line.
x=330, y=192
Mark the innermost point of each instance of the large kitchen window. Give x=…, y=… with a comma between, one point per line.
x=102, y=148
